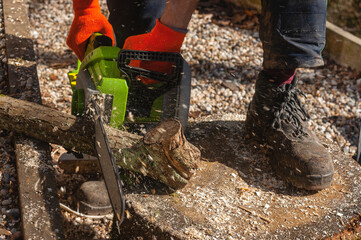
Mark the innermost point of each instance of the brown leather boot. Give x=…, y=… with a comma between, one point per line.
x=92, y=198
x=276, y=117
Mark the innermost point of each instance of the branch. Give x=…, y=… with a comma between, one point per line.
x=163, y=154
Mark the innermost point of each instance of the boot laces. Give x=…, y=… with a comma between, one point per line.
x=288, y=109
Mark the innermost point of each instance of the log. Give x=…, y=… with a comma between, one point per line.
x=163, y=153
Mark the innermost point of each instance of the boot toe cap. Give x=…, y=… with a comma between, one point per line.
x=306, y=165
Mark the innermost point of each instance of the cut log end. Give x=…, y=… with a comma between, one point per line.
x=181, y=155
x=163, y=132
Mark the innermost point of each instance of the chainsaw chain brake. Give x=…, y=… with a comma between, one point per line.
x=142, y=96
x=125, y=56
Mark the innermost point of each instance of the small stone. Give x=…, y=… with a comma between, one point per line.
x=6, y=178
x=6, y=202
x=89, y=221
x=17, y=235
x=3, y=210
x=3, y=192
x=13, y=213
x=346, y=149
x=34, y=34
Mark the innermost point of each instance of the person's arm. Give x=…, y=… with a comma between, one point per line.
x=178, y=13
x=167, y=35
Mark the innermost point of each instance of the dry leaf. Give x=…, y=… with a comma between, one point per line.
x=5, y=232
x=238, y=18
x=231, y=86
x=53, y=77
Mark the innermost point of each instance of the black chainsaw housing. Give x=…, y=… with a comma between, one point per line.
x=174, y=87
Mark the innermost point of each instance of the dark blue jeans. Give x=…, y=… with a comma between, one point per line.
x=292, y=31
x=133, y=17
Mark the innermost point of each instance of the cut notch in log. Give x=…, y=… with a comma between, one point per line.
x=163, y=154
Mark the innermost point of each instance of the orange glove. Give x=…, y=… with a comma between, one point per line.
x=88, y=19
x=160, y=39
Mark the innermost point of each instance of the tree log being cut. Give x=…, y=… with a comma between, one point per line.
x=162, y=154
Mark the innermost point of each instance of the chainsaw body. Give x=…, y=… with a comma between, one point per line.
x=100, y=69
x=107, y=68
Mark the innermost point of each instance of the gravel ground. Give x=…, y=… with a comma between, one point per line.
x=225, y=59
x=10, y=213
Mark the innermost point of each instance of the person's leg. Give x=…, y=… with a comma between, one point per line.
x=166, y=36
x=133, y=17
x=293, y=35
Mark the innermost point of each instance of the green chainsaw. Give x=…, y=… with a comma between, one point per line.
x=107, y=89
x=108, y=69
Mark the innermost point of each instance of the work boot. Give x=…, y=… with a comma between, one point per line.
x=277, y=118
x=92, y=198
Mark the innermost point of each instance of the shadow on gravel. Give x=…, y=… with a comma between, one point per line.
x=226, y=14
x=243, y=73
x=78, y=231
x=136, y=183
x=224, y=142
x=56, y=60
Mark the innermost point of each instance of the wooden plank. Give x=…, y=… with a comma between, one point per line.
x=343, y=47
x=39, y=202
x=87, y=165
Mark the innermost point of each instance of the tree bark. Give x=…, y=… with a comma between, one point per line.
x=163, y=154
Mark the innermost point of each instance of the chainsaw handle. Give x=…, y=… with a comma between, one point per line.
x=97, y=40
x=172, y=79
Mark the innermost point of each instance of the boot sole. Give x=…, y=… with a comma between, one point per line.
x=89, y=209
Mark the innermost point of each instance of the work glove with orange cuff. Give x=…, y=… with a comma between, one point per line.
x=88, y=19
x=161, y=39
